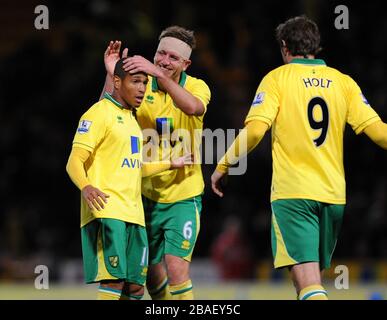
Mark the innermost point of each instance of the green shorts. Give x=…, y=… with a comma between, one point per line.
x=304, y=231
x=172, y=227
x=114, y=250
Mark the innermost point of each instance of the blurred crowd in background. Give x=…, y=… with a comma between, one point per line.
x=48, y=78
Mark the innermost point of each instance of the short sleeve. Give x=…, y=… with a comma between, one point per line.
x=360, y=113
x=201, y=91
x=265, y=105
x=91, y=128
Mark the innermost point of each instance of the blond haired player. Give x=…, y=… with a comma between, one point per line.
x=174, y=106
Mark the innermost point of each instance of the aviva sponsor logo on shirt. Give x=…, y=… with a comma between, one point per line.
x=164, y=125
x=134, y=149
x=131, y=163
x=134, y=144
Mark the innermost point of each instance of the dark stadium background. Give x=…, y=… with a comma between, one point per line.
x=48, y=78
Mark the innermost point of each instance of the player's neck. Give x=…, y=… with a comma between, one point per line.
x=308, y=56
x=289, y=57
x=121, y=101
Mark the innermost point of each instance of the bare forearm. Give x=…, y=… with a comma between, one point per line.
x=183, y=99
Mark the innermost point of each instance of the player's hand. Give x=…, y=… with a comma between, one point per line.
x=112, y=55
x=94, y=197
x=137, y=64
x=180, y=162
x=217, y=179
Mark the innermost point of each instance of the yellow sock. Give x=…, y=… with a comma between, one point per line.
x=161, y=292
x=314, y=292
x=182, y=291
x=105, y=293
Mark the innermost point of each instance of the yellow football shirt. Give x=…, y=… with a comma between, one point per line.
x=308, y=105
x=176, y=133
x=114, y=138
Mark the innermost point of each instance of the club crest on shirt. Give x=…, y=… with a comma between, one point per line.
x=258, y=99
x=364, y=99
x=113, y=260
x=84, y=126
x=185, y=245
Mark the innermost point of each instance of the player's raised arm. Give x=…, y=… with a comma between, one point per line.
x=110, y=58
x=138, y=63
x=94, y=197
x=246, y=141
x=183, y=99
x=377, y=132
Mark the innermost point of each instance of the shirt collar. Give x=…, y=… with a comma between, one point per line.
x=183, y=78
x=110, y=98
x=309, y=61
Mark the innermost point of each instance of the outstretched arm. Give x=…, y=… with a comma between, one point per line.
x=377, y=132
x=151, y=168
x=111, y=56
x=76, y=170
x=246, y=141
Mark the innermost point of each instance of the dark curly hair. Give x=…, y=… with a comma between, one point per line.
x=301, y=36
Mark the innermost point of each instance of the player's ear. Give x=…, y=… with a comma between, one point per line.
x=187, y=63
x=284, y=48
x=117, y=82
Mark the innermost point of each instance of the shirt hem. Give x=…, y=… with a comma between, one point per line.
x=134, y=221
x=83, y=146
x=260, y=118
x=195, y=194
x=308, y=197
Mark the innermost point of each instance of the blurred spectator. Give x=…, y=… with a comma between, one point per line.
x=231, y=251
